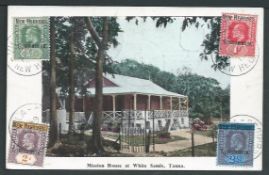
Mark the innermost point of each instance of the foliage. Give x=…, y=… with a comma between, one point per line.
x=85, y=51
x=163, y=134
x=206, y=96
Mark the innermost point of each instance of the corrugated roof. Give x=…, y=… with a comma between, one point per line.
x=130, y=85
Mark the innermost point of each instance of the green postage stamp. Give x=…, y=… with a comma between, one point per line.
x=31, y=38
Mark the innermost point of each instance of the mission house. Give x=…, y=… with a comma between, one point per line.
x=131, y=101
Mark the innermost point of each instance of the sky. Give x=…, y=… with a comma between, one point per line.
x=168, y=48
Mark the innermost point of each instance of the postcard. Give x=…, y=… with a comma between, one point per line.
x=134, y=88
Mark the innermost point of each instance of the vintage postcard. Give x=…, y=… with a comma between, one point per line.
x=134, y=88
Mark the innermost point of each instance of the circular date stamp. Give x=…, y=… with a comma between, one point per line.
x=30, y=112
x=244, y=118
x=240, y=65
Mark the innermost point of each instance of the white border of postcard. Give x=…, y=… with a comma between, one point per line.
x=246, y=90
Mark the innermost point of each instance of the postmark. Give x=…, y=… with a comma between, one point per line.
x=31, y=38
x=238, y=35
x=30, y=112
x=28, y=143
x=240, y=65
x=244, y=118
x=22, y=67
x=25, y=67
x=235, y=144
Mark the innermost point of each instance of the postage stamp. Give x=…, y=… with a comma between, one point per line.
x=28, y=143
x=238, y=35
x=235, y=144
x=31, y=38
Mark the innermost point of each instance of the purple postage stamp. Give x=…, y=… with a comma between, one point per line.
x=28, y=143
x=235, y=144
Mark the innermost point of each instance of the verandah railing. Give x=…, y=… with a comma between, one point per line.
x=142, y=115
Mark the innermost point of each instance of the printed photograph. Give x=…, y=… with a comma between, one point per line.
x=134, y=86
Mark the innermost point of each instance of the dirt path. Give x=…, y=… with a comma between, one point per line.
x=182, y=144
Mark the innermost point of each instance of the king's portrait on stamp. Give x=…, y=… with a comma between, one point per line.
x=28, y=140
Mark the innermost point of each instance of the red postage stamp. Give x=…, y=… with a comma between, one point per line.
x=238, y=35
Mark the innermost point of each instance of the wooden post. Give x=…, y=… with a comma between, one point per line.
x=161, y=102
x=83, y=106
x=171, y=103
x=179, y=103
x=213, y=135
x=148, y=140
x=113, y=105
x=153, y=134
x=132, y=139
x=60, y=131
x=134, y=102
x=192, y=144
x=121, y=129
x=149, y=102
x=135, y=108
x=145, y=135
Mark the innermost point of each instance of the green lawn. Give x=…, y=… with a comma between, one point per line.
x=206, y=150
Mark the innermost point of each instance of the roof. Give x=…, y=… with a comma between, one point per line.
x=132, y=85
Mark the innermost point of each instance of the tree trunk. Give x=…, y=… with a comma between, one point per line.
x=71, y=85
x=53, y=132
x=97, y=138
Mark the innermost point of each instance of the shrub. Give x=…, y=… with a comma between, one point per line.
x=65, y=150
x=163, y=134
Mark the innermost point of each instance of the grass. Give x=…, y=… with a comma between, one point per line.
x=205, y=150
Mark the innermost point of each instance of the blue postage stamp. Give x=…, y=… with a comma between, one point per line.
x=235, y=144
